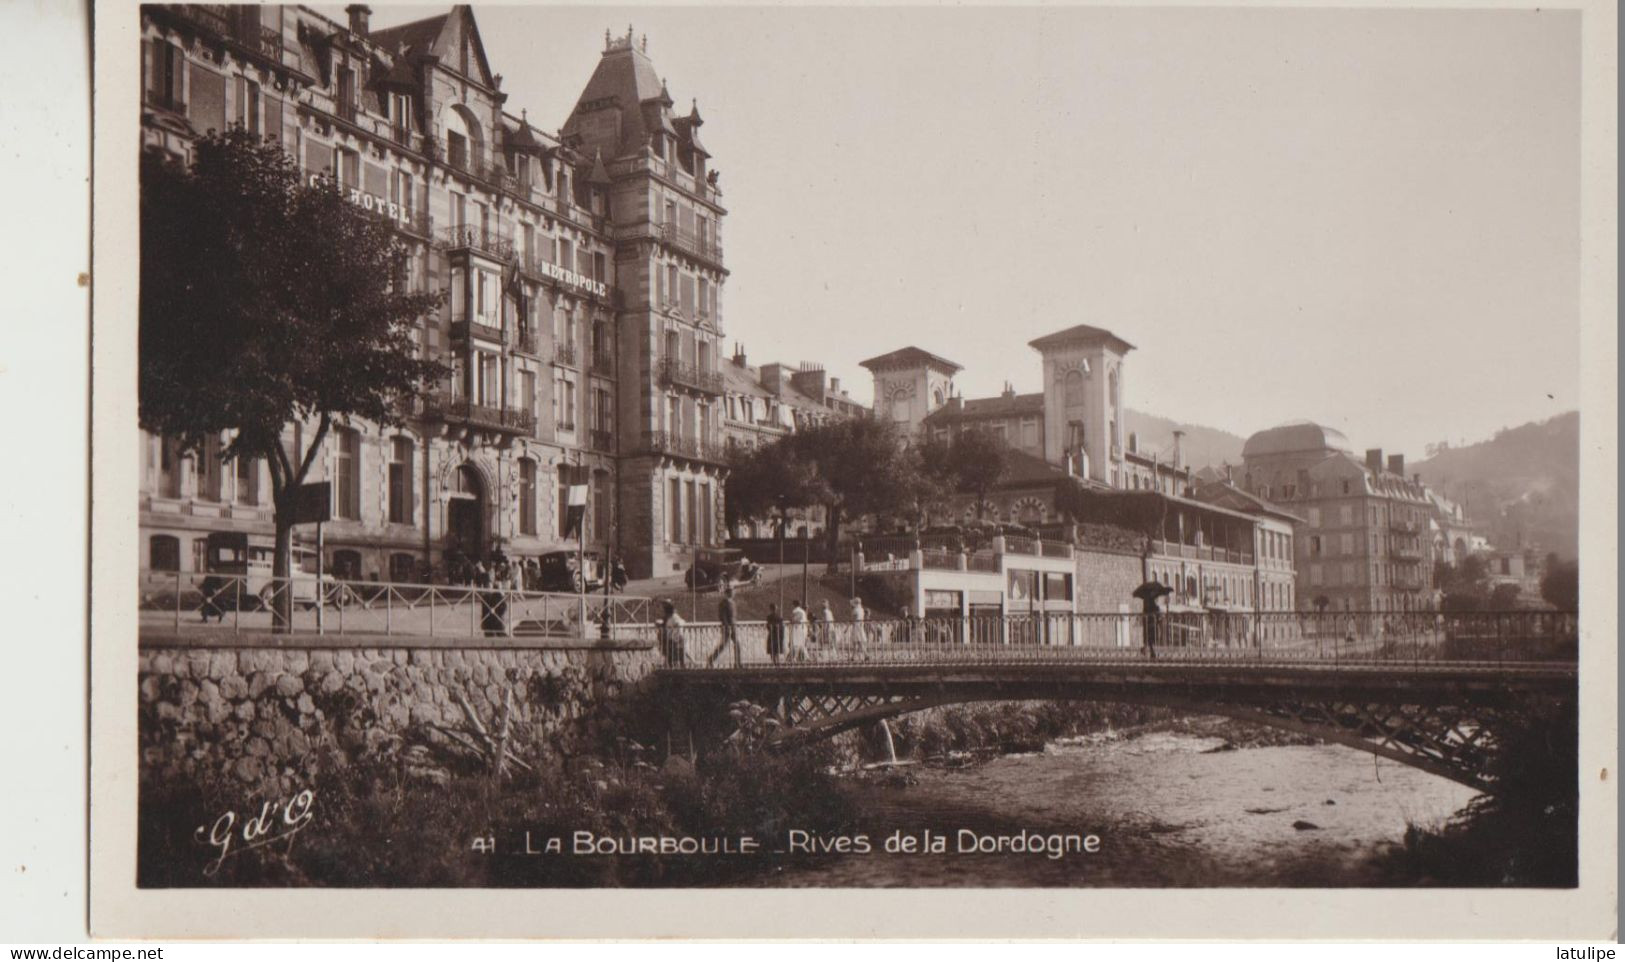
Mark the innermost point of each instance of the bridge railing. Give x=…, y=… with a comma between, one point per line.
x=1352, y=638
x=302, y=604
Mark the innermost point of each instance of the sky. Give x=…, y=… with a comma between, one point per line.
x=1368, y=219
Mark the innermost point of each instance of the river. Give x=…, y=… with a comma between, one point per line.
x=1183, y=805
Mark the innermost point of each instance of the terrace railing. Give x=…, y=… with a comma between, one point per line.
x=190, y=601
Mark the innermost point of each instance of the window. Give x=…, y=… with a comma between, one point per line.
x=457, y=150
x=164, y=553
x=166, y=76
x=674, y=511
x=248, y=104
x=403, y=567
x=348, y=168
x=459, y=209
x=349, y=474
x=1072, y=389
x=600, y=267
x=400, y=481
x=703, y=534
x=567, y=413
x=693, y=514
x=527, y=496
x=347, y=565
x=208, y=470
x=601, y=501
x=1345, y=514
x=1314, y=517
x=1314, y=546
x=1029, y=433
x=1346, y=543
x=527, y=392
x=345, y=95
x=400, y=190
x=671, y=284
x=248, y=480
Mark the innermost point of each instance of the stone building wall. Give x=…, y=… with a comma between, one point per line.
x=241, y=708
x=1106, y=580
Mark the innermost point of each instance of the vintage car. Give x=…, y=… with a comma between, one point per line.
x=714, y=566
x=562, y=571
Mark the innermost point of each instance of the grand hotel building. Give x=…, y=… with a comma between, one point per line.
x=606, y=368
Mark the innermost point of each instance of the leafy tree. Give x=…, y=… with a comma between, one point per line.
x=1465, y=585
x=980, y=460
x=860, y=468
x=1504, y=597
x=1560, y=584
x=765, y=479
x=931, y=482
x=266, y=301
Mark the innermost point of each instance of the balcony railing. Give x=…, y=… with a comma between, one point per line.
x=698, y=449
x=565, y=354
x=164, y=101
x=528, y=341
x=488, y=241
x=601, y=440
x=416, y=222
x=601, y=363
x=481, y=163
x=464, y=411
x=566, y=426
x=676, y=373
x=690, y=243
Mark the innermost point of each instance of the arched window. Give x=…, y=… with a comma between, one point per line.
x=164, y=553
x=936, y=398
x=1072, y=389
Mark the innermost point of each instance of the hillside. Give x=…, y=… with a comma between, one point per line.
x=1202, y=446
x=1521, y=487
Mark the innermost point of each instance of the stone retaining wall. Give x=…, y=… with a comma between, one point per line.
x=261, y=709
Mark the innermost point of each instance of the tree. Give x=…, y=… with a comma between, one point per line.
x=859, y=468
x=1465, y=585
x=1560, y=584
x=980, y=461
x=931, y=481
x=266, y=301
x=765, y=479
x=1504, y=597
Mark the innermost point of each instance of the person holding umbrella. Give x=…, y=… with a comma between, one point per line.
x=1151, y=616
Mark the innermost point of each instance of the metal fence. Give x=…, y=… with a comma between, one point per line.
x=304, y=605
x=1352, y=638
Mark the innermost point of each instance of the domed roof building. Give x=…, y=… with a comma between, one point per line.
x=1296, y=437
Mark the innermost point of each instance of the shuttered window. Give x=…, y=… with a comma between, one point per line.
x=208, y=107
x=318, y=158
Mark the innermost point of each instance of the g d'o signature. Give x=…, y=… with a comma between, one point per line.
x=276, y=821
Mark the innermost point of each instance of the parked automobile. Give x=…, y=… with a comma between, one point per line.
x=712, y=566
x=234, y=554
x=562, y=571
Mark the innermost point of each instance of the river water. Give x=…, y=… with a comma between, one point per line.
x=1170, y=806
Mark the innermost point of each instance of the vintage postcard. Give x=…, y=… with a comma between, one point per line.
x=830, y=471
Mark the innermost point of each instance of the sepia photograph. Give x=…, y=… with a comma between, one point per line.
x=829, y=448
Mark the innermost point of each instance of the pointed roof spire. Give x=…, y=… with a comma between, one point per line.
x=694, y=112
x=644, y=44
x=598, y=174
x=665, y=94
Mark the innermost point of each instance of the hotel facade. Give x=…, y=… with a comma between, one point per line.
x=582, y=270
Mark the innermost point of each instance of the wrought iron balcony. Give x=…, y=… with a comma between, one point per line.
x=459, y=410
x=601, y=363
x=601, y=440
x=674, y=372
x=487, y=241
x=416, y=222
x=696, y=449
x=690, y=243
x=565, y=354
x=528, y=341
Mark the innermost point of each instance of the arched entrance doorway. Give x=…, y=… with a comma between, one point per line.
x=465, y=513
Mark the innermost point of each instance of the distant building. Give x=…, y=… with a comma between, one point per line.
x=1365, y=541
x=1071, y=462
x=763, y=404
x=1452, y=534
